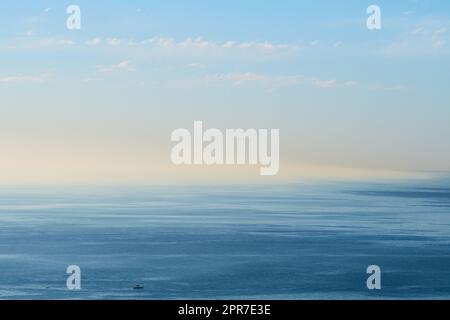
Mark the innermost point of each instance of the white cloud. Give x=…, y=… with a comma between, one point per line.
x=113, y=41
x=162, y=45
x=240, y=79
x=350, y=83
x=124, y=65
x=50, y=42
x=440, y=43
x=428, y=38
x=419, y=30
x=197, y=43
x=121, y=66
x=26, y=41
x=229, y=44
x=158, y=41
x=325, y=83
x=27, y=33
x=418, y=46
x=64, y=42
x=264, y=46
x=94, y=42
x=200, y=44
x=195, y=65
x=24, y=79
x=441, y=31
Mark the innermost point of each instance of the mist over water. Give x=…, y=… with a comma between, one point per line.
x=297, y=241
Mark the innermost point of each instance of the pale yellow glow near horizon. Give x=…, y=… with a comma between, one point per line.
x=68, y=164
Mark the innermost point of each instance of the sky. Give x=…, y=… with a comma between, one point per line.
x=98, y=105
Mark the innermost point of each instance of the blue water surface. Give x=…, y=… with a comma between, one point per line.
x=296, y=241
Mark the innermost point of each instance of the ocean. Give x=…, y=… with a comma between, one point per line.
x=286, y=241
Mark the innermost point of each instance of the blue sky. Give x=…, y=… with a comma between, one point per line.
x=345, y=98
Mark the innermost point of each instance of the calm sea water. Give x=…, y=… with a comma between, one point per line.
x=298, y=241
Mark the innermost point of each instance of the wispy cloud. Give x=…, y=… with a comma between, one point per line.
x=250, y=78
x=121, y=66
x=195, y=65
x=113, y=41
x=325, y=83
x=199, y=43
x=241, y=78
x=427, y=38
x=94, y=42
x=36, y=43
x=27, y=33
x=24, y=78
